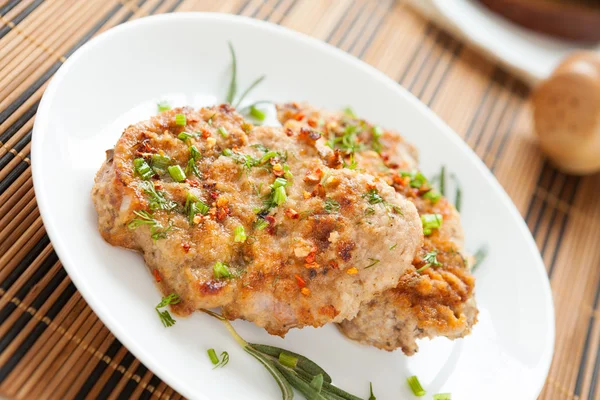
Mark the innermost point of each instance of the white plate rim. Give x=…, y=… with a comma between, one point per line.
x=95, y=303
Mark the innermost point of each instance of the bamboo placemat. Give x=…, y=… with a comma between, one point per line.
x=51, y=343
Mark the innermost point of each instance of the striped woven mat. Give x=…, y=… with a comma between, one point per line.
x=51, y=343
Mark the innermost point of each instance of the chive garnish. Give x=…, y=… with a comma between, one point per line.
x=160, y=162
x=433, y=195
x=195, y=153
x=260, y=224
x=480, y=256
x=222, y=131
x=374, y=262
x=376, y=145
x=142, y=168
x=239, y=234
x=165, y=316
x=430, y=260
x=176, y=173
x=185, y=136
x=213, y=356
x=331, y=206
x=392, y=247
x=443, y=180
x=157, y=231
x=431, y=222
x=257, y=114
x=288, y=360
x=349, y=112
x=442, y=396
x=180, y=119
x=163, y=106
x=252, y=86
x=415, y=386
x=233, y=81
x=156, y=198
x=221, y=270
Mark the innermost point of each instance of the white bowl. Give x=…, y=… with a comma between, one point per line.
x=117, y=78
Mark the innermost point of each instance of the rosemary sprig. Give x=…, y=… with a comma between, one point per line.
x=307, y=377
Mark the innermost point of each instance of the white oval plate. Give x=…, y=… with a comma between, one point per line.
x=118, y=77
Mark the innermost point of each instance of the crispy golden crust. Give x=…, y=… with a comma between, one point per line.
x=437, y=301
x=306, y=267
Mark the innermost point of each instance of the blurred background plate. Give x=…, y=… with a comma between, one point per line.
x=531, y=55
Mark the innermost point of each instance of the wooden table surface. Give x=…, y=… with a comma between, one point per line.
x=51, y=343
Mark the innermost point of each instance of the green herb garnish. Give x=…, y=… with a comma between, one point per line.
x=373, y=197
x=233, y=81
x=163, y=106
x=142, y=169
x=372, y=396
x=180, y=119
x=221, y=270
x=415, y=386
x=331, y=206
x=349, y=112
x=374, y=262
x=257, y=113
x=433, y=195
x=184, y=136
x=157, y=199
x=176, y=173
x=480, y=256
x=431, y=222
x=222, y=131
x=165, y=316
x=250, y=88
x=288, y=360
x=430, y=261
x=194, y=206
x=215, y=360
x=442, y=396
x=157, y=231
x=160, y=163
x=393, y=246
x=239, y=234
x=377, y=133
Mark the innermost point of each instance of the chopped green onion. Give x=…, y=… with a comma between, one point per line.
x=227, y=152
x=373, y=197
x=240, y=234
x=163, y=106
x=268, y=156
x=257, y=114
x=417, y=179
x=224, y=360
x=222, y=131
x=349, y=112
x=233, y=82
x=415, y=386
x=195, y=153
x=202, y=207
x=180, y=119
x=160, y=162
x=372, y=396
x=213, y=356
x=431, y=222
x=191, y=168
x=433, y=195
x=142, y=169
x=260, y=224
x=288, y=360
x=287, y=174
x=194, y=206
x=176, y=173
x=279, y=195
x=220, y=270
x=279, y=182
x=442, y=396
x=185, y=136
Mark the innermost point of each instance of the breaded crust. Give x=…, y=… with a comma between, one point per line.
x=304, y=262
x=437, y=301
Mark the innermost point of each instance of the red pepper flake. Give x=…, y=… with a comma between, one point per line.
x=214, y=194
x=312, y=265
x=158, y=185
x=192, y=183
x=289, y=132
x=271, y=220
x=186, y=247
x=222, y=212
x=333, y=264
x=312, y=122
x=301, y=282
x=205, y=133
x=310, y=258
x=192, y=118
x=313, y=176
x=156, y=275
x=292, y=214
x=299, y=117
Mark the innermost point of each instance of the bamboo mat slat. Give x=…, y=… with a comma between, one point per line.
x=52, y=345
